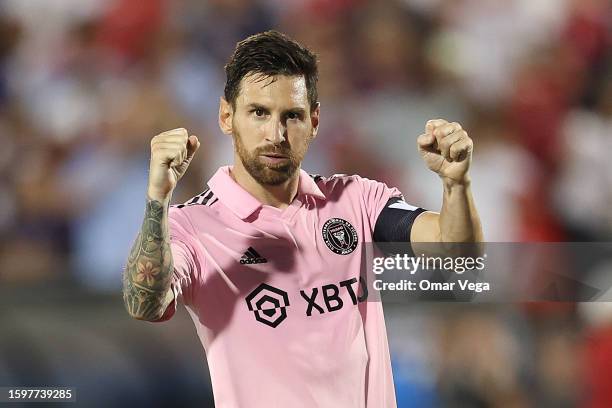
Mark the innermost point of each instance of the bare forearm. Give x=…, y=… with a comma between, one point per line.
x=148, y=273
x=459, y=220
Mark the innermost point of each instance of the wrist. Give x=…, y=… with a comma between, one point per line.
x=450, y=183
x=157, y=195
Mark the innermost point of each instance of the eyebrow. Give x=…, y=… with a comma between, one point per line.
x=260, y=106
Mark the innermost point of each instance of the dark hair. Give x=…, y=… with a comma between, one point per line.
x=271, y=53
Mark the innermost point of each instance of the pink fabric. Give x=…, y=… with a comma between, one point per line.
x=336, y=357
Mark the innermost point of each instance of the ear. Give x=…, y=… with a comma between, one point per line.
x=225, y=116
x=314, y=119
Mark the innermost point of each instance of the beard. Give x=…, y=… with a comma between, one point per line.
x=268, y=173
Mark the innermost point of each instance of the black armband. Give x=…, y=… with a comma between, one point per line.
x=395, y=221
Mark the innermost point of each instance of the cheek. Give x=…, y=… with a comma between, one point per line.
x=256, y=129
x=250, y=132
x=298, y=131
x=300, y=137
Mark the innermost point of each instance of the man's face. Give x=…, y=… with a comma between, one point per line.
x=272, y=126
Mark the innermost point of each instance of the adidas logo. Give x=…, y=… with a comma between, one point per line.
x=252, y=257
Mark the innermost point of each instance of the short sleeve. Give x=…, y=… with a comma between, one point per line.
x=376, y=196
x=184, y=259
x=391, y=216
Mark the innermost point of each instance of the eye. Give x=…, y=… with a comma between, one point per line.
x=258, y=112
x=293, y=115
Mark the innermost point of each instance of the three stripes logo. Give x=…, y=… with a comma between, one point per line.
x=207, y=197
x=252, y=257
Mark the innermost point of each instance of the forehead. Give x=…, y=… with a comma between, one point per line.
x=281, y=90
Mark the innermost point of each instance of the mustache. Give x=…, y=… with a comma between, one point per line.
x=274, y=150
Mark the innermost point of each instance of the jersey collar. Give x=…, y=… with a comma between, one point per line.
x=241, y=202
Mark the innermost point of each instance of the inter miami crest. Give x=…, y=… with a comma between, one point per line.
x=269, y=304
x=339, y=236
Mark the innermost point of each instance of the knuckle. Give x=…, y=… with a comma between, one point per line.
x=161, y=138
x=168, y=134
x=436, y=122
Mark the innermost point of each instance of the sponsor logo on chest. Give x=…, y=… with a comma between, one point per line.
x=270, y=304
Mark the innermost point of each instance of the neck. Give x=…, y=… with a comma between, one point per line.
x=279, y=196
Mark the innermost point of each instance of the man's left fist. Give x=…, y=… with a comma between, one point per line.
x=447, y=150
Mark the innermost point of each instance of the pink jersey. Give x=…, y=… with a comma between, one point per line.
x=275, y=294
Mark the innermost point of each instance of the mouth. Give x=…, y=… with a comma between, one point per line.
x=275, y=155
x=274, y=158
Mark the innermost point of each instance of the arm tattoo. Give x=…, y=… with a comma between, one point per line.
x=148, y=273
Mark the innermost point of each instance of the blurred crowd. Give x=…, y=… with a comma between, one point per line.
x=85, y=84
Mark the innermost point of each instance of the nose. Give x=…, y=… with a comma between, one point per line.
x=278, y=133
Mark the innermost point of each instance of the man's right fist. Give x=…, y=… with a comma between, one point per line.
x=171, y=153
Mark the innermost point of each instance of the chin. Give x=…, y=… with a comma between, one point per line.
x=273, y=176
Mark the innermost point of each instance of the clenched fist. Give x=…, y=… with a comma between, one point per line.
x=171, y=153
x=446, y=149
